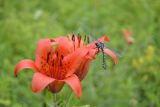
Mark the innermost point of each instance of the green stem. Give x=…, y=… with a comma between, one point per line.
x=44, y=104
x=68, y=100
x=55, y=100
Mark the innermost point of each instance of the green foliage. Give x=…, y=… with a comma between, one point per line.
x=133, y=82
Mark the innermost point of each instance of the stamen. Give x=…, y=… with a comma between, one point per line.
x=53, y=62
x=60, y=62
x=84, y=38
x=79, y=40
x=62, y=57
x=73, y=38
x=57, y=54
x=48, y=55
x=88, y=40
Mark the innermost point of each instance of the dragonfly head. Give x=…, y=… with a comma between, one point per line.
x=99, y=45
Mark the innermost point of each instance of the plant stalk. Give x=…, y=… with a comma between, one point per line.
x=68, y=100
x=55, y=100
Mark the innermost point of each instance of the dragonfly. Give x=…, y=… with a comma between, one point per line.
x=100, y=46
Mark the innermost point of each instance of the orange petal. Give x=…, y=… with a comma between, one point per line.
x=111, y=54
x=91, y=54
x=83, y=69
x=75, y=84
x=74, y=59
x=40, y=81
x=43, y=45
x=24, y=64
x=63, y=45
x=104, y=38
x=126, y=33
x=128, y=36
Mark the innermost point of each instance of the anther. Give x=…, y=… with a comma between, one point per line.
x=52, y=40
x=84, y=38
x=48, y=55
x=88, y=40
x=73, y=38
x=79, y=40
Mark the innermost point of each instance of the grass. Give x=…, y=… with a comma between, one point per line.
x=133, y=82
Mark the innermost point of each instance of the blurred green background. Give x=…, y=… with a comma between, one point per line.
x=133, y=82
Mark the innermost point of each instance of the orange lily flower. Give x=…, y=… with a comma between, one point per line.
x=52, y=66
x=59, y=61
x=128, y=36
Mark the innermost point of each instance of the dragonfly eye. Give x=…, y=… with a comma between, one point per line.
x=99, y=45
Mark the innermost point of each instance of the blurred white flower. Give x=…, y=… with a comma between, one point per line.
x=38, y=14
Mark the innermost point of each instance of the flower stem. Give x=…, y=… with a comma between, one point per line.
x=44, y=104
x=68, y=100
x=55, y=100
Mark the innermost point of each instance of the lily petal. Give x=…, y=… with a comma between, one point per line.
x=25, y=64
x=111, y=54
x=72, y=61
x=104, y=38
x=40, y=81
x=43, y=44
x=75, y=84
x=91, y=54
x=128, y=36
x=63, y=45
x=83, y=69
